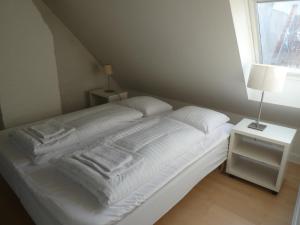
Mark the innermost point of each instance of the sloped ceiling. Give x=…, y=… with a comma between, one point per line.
x=184, y=50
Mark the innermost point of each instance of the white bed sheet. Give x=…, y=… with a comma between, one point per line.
x=68, y=203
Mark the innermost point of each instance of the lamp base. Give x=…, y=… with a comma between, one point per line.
x=257, y=126
x=109, y=91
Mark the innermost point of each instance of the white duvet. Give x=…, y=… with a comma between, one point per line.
x=157, y=142
x=103, y=119
x=69, y=203
x=85, y=127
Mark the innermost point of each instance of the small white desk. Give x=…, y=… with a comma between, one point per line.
x=260, y=156
x=99, y=96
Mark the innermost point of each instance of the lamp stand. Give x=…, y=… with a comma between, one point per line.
x=256, y=125
x=108, y=90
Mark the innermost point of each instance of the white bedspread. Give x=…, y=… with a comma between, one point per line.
x=66, y=202
x=151, y=131
x=86, y=126
x=72, y=204
x=102, y=119
x=158, y=143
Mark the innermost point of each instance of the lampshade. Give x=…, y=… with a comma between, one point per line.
x=107, y=69
x=267, y=78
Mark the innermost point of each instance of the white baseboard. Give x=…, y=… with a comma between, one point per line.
x=294, y=157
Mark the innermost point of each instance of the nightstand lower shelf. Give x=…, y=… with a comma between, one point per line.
x=253, y=172
x=268, y=156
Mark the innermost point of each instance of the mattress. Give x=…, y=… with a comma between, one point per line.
x=64, y=202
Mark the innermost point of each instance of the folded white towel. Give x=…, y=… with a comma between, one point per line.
x=104, y=159
x=108, y=187
x=172, y=142
x=47, y=130
x=52, y=139
x=34, y=145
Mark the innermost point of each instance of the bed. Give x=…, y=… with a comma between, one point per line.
x=66, y=202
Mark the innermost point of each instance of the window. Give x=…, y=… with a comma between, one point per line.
x=278, y=32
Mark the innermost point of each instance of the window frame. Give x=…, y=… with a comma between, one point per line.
x=254, y=20
x=255, y=29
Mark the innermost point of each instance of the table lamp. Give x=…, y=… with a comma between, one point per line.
x=265, y=78
x=107, y=69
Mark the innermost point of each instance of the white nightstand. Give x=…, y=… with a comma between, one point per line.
x=99, y=96
x=259, y=156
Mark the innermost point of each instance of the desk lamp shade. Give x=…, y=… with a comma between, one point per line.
x=108, y=71
x=265, y=78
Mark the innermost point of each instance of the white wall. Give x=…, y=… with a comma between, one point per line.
x=242, y=26
x=43, y=66
x=183, y=50
x=78, y=70
x=28, y=74
x=177, y=49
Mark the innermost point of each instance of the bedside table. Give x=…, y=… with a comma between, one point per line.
x=259, y=156
x=99, y=96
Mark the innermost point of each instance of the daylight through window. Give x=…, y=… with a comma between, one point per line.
x=279, y=32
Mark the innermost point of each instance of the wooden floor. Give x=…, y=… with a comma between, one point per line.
x=223, y=200
x=217, y=200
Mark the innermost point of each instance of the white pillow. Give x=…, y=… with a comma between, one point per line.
x=203, y=119
x=147, y=105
